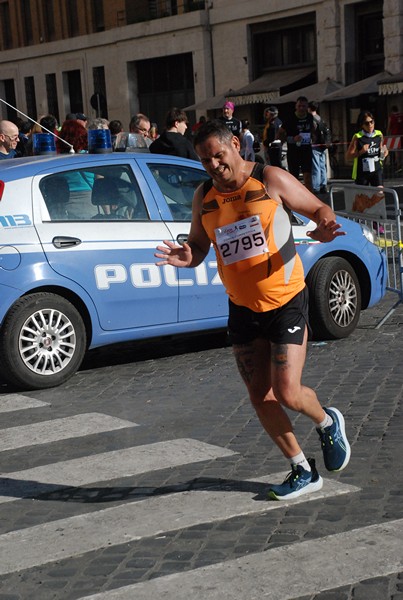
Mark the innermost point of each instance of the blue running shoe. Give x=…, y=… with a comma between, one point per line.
x=335, y=446
x=297, y=483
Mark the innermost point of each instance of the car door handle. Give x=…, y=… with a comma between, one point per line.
x=65, y=242
x=182, y=238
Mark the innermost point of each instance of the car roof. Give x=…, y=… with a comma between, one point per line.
x=28, y=166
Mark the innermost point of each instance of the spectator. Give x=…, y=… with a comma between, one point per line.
x=247, y=139
x=49, y=124
x=271, y=141
x=77, y=117
x=24, y=128
x=140, y=124
x=8, y=139
x=319, y=155
x=154, y=131
x=173, y=141
x=368, y=151
x=115, y=127
x=297, y=131
x=76, y=136
x=81, y=118
x=198, y=124
x=97, y=123
x=233, y=124
x=35, y=128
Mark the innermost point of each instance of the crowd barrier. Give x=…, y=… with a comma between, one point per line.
x=378, y=209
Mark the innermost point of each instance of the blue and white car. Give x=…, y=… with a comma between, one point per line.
x=77, y=267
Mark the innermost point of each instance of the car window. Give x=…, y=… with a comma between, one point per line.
x=178, y=185
x=105, y=193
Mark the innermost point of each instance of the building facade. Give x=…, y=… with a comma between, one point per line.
x=113, y=58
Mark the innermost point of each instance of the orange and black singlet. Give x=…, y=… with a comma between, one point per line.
x=254, y=244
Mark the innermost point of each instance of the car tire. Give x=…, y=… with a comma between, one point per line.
x=334, y=298
x=42, y=342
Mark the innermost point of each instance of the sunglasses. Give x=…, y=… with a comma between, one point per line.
x=368, y=122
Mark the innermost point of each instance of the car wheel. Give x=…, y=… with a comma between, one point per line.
x=334, y=298
x=42, y=341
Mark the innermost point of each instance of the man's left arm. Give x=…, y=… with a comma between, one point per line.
x=285, y=187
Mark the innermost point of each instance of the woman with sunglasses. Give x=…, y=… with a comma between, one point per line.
x=368, y=152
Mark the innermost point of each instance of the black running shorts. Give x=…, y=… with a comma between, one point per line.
x=284, y=325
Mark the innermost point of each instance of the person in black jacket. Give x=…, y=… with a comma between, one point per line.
x=298, y=131
x=173, y=141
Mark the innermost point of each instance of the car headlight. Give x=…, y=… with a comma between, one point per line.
x=368, y=233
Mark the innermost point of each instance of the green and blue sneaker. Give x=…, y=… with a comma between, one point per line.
x=297, y=483
x=335, y=446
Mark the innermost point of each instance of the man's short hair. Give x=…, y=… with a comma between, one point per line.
x=49, y=122
x=302, y=99
x=116, y=126
x=136, y=120
x=313, y=105
x=173, y=115
x=216, y=128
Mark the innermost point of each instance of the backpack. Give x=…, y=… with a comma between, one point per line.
x=323, y=133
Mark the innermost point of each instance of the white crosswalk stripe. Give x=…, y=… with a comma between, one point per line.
x=59, y=429
x=12, y=402
x=107, y=466
x=75, y=535
x=300, y=569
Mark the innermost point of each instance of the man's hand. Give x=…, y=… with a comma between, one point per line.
x=326, y=231
x=177, y=256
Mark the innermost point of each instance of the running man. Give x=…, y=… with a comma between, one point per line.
x=244, y=211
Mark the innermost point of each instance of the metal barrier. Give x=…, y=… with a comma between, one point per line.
x=378, y=209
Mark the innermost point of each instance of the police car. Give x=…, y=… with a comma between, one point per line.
x=77, y=267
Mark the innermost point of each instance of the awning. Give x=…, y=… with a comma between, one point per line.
x=364, y=86
x=391, y=85
x=315, y=92
x=212, y=103
x=267, y=87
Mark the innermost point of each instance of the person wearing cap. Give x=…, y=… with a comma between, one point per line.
x=81, y=118
x=271, y=141
x=233, y=124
